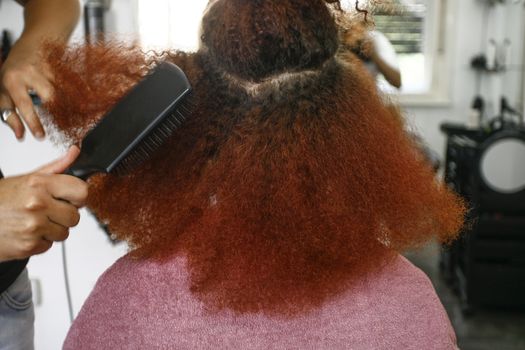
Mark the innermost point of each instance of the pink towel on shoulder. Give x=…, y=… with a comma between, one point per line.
x=146, y=305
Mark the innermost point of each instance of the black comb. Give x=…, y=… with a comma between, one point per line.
x=138, y=124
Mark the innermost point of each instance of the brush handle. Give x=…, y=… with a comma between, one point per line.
x=82, y=167
x=82, y=174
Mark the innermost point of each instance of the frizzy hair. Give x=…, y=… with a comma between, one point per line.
x=284, y=185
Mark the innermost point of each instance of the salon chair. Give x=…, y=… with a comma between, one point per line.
x=486, y=265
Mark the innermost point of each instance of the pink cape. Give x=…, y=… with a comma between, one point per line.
x=147, y=305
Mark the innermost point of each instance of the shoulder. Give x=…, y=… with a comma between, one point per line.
x=130, y=269
x=403, y=282
x=401, y=268
x=122, y=299
x=410, y=310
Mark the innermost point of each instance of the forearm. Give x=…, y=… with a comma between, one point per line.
x=44, y=20
x=49, y=19
x=391, y=74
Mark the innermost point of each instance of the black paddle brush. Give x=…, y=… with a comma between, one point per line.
x=138, y=124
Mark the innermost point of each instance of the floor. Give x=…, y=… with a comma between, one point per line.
x=485, y=329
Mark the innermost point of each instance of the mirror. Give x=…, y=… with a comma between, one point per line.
x=502, y=165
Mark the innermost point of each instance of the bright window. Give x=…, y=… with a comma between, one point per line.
x=406, y=28
x=170, y=24
x=418, y=30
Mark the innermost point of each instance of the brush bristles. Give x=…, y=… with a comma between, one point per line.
x=154, y=139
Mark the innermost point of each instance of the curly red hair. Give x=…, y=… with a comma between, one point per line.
x=290, y=178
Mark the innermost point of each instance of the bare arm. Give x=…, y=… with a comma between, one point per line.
x=45, y=19
x=376, y=48
x=391, y=74
x=23, y=71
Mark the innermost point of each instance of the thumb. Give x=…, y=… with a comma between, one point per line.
x=60, y=165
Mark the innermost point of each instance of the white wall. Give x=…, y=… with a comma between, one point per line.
x=89, y=252
x=506, y=21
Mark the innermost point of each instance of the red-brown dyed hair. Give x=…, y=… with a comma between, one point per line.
x=290, y=178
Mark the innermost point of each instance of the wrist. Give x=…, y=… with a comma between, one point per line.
x=21, y=53
x=32, y=40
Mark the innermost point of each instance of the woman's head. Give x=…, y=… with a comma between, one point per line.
x=290, y=178
x=254, y=40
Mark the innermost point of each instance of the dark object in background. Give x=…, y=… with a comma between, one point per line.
x=506, y=110
x=7, y=42
x=105, y=227
x=475, y=119
x=478, y=104
x=94, y=26
x=479, y=62
x=508, y=116
x=486, y=266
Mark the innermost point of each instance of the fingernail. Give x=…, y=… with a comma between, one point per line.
x=39, y=135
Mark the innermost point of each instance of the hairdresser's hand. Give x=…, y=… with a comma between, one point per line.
x=20, y=73
x=39, y=208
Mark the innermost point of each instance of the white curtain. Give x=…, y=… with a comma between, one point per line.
x=170, y=23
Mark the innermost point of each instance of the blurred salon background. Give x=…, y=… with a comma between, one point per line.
x=456, y=68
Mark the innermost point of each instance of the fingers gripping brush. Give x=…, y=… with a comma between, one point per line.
x=128, y=134
x=138, y=124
